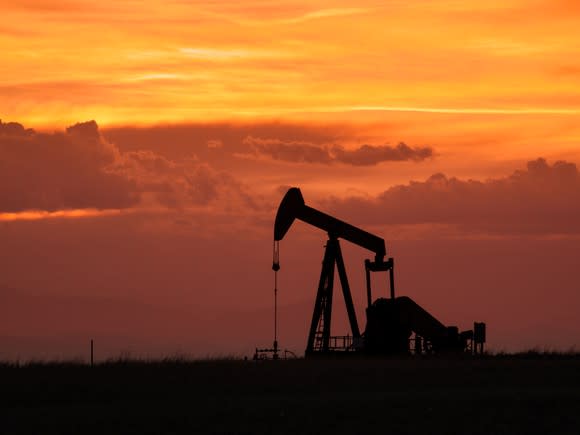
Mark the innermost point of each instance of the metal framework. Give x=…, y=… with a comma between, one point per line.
x=319, y=337
x=390, y=322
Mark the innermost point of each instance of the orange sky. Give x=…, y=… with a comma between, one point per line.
x=446, y=126
x=149, y=61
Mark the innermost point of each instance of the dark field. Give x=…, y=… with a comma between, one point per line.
x=504, y=395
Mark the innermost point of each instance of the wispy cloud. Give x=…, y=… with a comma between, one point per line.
x=224, y=54
x=158, y=76
x=264, y=17
x=33, y=215
x=460, y=110
x=325, y=13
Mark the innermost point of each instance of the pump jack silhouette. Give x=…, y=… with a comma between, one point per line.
x=390, y=322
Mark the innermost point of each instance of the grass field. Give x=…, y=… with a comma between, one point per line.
x=529, y=394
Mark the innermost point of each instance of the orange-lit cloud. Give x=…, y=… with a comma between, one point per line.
x=63, y=173
x=52, y=172
x=542, y=199
x=32, y=215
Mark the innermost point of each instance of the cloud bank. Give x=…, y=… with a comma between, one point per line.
x=365, y=155
x=541, y=199
x=60, y=170
x=80, y=169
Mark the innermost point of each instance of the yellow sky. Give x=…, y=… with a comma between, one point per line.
x=127, y=62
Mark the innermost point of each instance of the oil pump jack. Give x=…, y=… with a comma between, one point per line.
x=390, y=321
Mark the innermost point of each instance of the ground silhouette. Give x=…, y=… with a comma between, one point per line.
x=534, y=393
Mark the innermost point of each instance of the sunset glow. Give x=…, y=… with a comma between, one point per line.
x=145, y=146
x=169, y=61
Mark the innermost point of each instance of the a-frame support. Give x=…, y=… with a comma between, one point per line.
x=319, y=335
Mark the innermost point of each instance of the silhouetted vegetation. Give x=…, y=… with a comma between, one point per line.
x=532, y=392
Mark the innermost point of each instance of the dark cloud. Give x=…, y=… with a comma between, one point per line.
x=542, y=199
x=214, y=142
x=60, y=170
x=365, y=155
x=289, y=151
x=183, y=182
x=79, y=168
x=368, y=155
x=14, y=129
